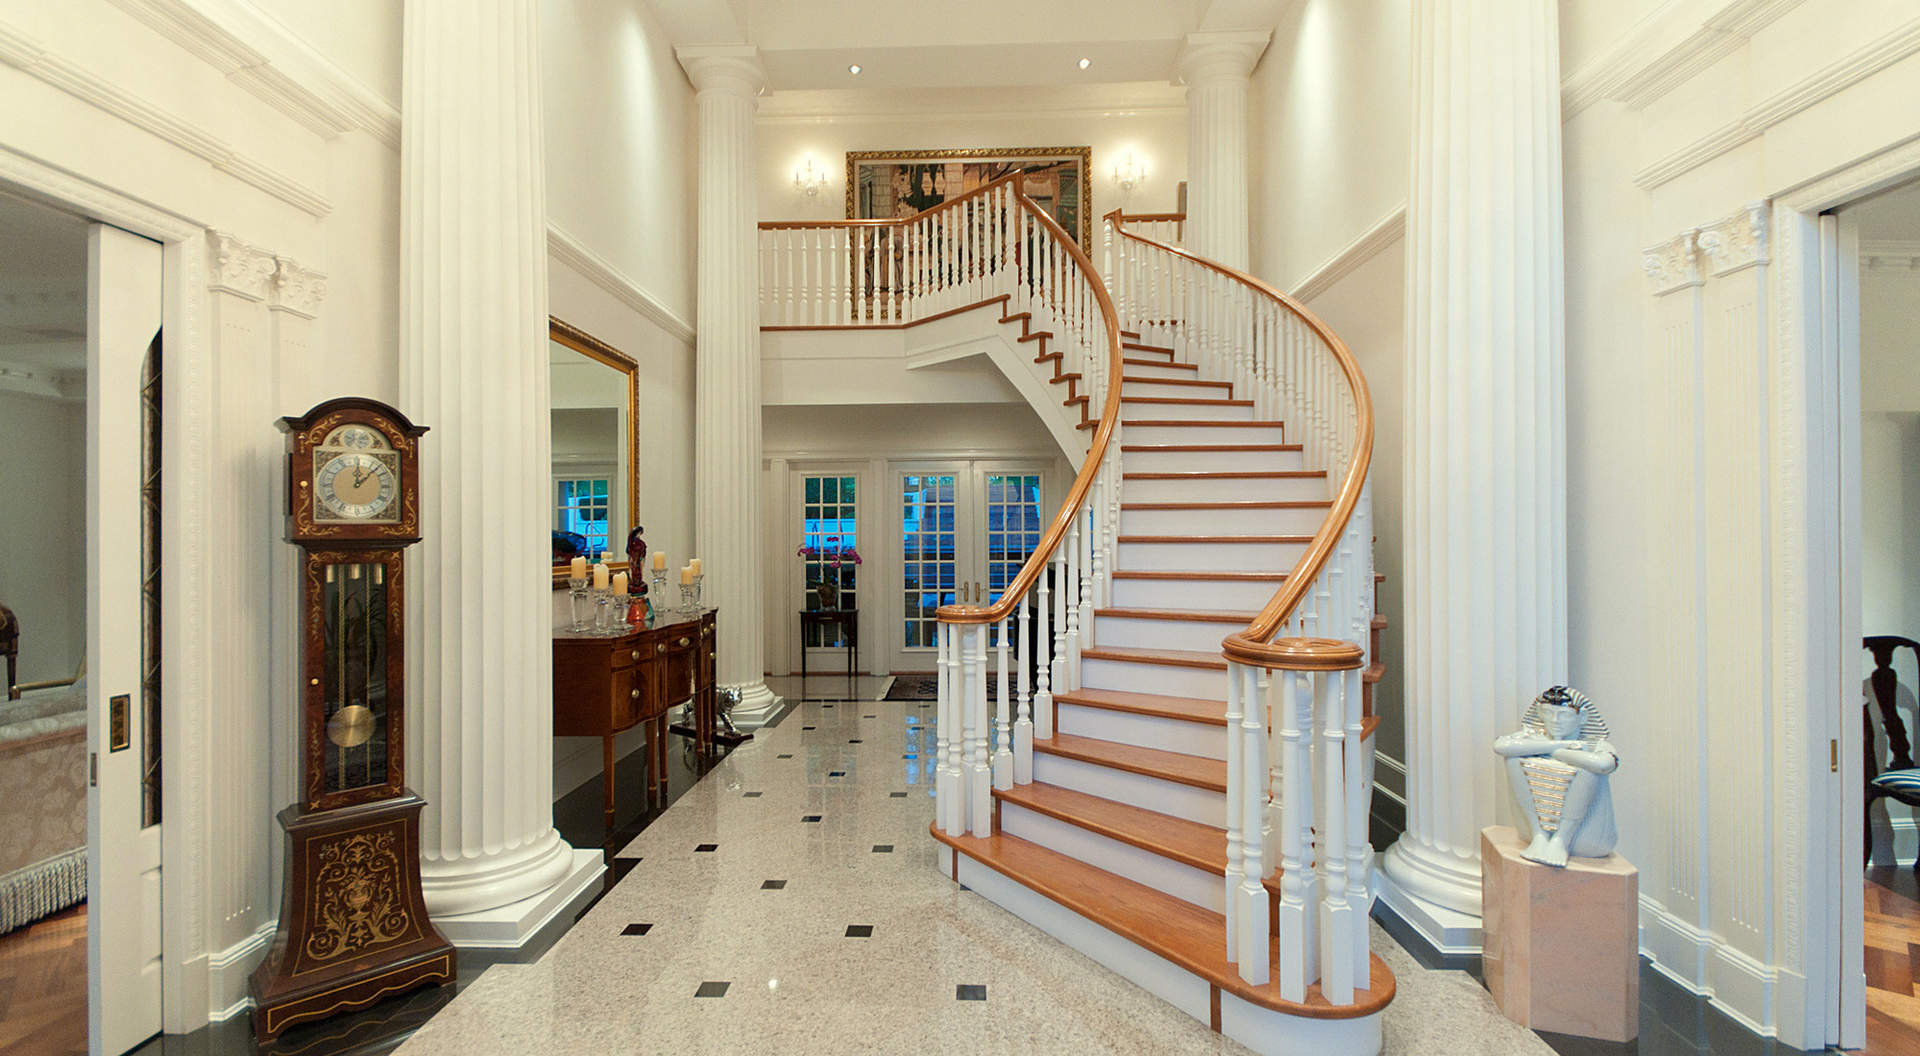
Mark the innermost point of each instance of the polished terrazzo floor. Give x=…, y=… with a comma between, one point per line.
x=789, y=903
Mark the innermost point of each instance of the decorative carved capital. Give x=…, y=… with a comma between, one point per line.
x=1672, y=265
x=1736, y=241
x=297, y=289
x=240, y=268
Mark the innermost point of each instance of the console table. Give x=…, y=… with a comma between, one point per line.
x=604, y=685
x=824, y=618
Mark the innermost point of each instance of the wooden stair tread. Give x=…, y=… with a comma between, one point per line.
x=1196, y=771
x=1231, y=539
x=1187, y=842
x=1374, y=672
x=1205, y=423
x=1163, y=657
x=1185, y=400
x=1184, y=709
x=1199, y=573
x=1189, y=936
x=1141, y=346
x=1215, y=474
x=1379, y=622
x=1210, y=448
x=1179, y=381
x=1190, y=615
x=1035, y=335
x=1233, y=504
x=1158, y=363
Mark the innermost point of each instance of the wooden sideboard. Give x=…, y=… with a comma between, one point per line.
x=604, y=685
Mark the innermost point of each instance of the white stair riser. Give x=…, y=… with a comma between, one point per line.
x=1144, y=731
x=1211, y=461
x=1129, y=351
x=1121, y=633
x=1210, y=410
x=1193, y=593
x=1223, y=489
x=1212, y=557
x=1195, y=434
x=1203, y=805
x=1291, y=520
x=1131, y=387
x=1157, y=369
x=1173, y=680
x=1206, y=890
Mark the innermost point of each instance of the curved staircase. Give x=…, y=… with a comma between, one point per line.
x=1156, y=744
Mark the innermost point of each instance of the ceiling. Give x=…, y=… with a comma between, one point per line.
x=809, y=44
x=43, y=286
x=1890, y=217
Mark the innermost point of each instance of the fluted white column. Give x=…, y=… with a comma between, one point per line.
x=726, y=451
x=473, y=352
x=1215, y=67
x=1486, y=479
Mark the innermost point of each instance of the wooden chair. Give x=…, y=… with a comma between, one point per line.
x=1900, y=782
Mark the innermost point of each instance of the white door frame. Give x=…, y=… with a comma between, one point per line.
x=867, y=519
x=1817, y=594
x=185, y=564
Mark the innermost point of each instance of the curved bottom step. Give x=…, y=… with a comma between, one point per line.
x=1172, y=949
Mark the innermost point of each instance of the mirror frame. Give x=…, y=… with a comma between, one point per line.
x=595, y=349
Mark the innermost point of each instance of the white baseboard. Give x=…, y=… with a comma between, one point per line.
x=1895, y=830
x=227, y=972
x=1702, y=963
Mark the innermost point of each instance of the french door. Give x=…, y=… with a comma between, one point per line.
x=124, y=914
x=964, y=530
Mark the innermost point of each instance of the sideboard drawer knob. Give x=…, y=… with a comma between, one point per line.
x=635, y=694
x=636, y=654
x=661, y=648
x=683, y=643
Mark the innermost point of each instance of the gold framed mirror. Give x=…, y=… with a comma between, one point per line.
x=594, y=403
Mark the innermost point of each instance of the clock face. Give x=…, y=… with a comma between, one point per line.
x=357, y=486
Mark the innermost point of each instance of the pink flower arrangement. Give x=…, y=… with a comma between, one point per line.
x=831, y=554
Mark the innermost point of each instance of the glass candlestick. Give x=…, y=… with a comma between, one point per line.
x=688, y=594
x=576, y=590
x=659, y=578
x=602, y=598
x=696, y=591
x=617, y=615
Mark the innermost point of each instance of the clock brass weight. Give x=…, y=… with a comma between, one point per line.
x=353, y=926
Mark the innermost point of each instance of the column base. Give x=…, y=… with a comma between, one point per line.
x=757, y=705
x=461, y=886
x=514, y=924
x=1428, y=898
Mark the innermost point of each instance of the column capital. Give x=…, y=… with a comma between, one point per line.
x=731, y=69
x=1220, y=55
x=238, y=267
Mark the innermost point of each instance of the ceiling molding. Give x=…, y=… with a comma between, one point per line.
x=1385, y=231
x=25, y=54
x=262, y=57
x=1665, y=50
x=28, y=379
x=816, y=106
x=573, y=253
x=1889, y=254
x=1822, y=84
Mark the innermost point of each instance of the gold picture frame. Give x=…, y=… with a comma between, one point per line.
x=881, y=183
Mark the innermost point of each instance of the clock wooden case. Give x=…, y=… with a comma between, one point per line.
x=353, y=926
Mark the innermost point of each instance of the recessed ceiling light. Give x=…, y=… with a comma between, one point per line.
x=854, y=69
x=1084, y=63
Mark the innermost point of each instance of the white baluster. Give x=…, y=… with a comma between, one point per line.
x=1023, y=722
x=1292, y=911
x=1003, y=726
x=979, y=778
x=1237, y=818
x=1251, y=911
x=1075, y=562
x=946, y=790
x=1049, y=651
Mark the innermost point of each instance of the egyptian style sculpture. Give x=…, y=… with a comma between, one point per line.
x=1558, y=765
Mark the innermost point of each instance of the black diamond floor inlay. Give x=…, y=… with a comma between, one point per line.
x=788, y=755
x=856, y=740
x=896, y=795
x=718, y=989
x=751, y=795
x=808, y=727
x=836, y=773
x=965, y=992
x=810, y=817
x=859, y=931
x=706, y=847
x=883, y=848
x=869, y=716
x=636, y=929
x=772, y=885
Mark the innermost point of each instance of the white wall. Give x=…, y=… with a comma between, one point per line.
x=789, y=130
x=43, y=447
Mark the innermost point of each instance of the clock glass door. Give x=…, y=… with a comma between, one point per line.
x=354, y=609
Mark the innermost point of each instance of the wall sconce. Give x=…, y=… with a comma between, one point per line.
x=1129, y=175
x=808, y=181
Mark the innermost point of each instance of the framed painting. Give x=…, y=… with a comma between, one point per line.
x=888, y=184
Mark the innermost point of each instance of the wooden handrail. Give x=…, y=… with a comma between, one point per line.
x=1254, y=645
x=898, y=221
x=1148, y=218
x=1096, y=451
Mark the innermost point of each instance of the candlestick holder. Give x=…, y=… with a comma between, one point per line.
x=688, y=595
x=602, y=598
x=619, y=613
x=697, y=580
x=658, y=577
x=576, y=590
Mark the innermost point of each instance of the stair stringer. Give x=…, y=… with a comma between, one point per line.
x=981, y=331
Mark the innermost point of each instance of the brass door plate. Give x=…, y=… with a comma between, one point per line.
x=119, y=736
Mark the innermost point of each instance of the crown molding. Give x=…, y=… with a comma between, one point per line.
x=569, y=250
x=1665, y=50
x=1890, y=254
x=47, y=383
x=829, y=106
x=1882, y=52
x=263, y=57
x=26, y=55
x=1385, y=231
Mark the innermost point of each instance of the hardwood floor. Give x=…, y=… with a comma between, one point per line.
x=1893, y=955
x=43, y=987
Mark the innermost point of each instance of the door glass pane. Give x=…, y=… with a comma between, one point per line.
x=1013, y=526
x=581, y=507
x=926, y=554
x=829, y=553
x=150, y=586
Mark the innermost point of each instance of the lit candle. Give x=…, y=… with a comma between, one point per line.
x=600, y=577
x=659, y=560
x=619, y=582
x=686, y=575
x=697, y=570
x=578, y=570
x=606, y=557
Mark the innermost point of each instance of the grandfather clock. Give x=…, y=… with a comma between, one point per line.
x=353, y=926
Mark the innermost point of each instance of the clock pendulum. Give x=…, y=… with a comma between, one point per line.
x=353, y=924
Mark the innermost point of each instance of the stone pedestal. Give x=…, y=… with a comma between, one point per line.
x=1560, y=944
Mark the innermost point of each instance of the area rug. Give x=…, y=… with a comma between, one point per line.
x=914, y=687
